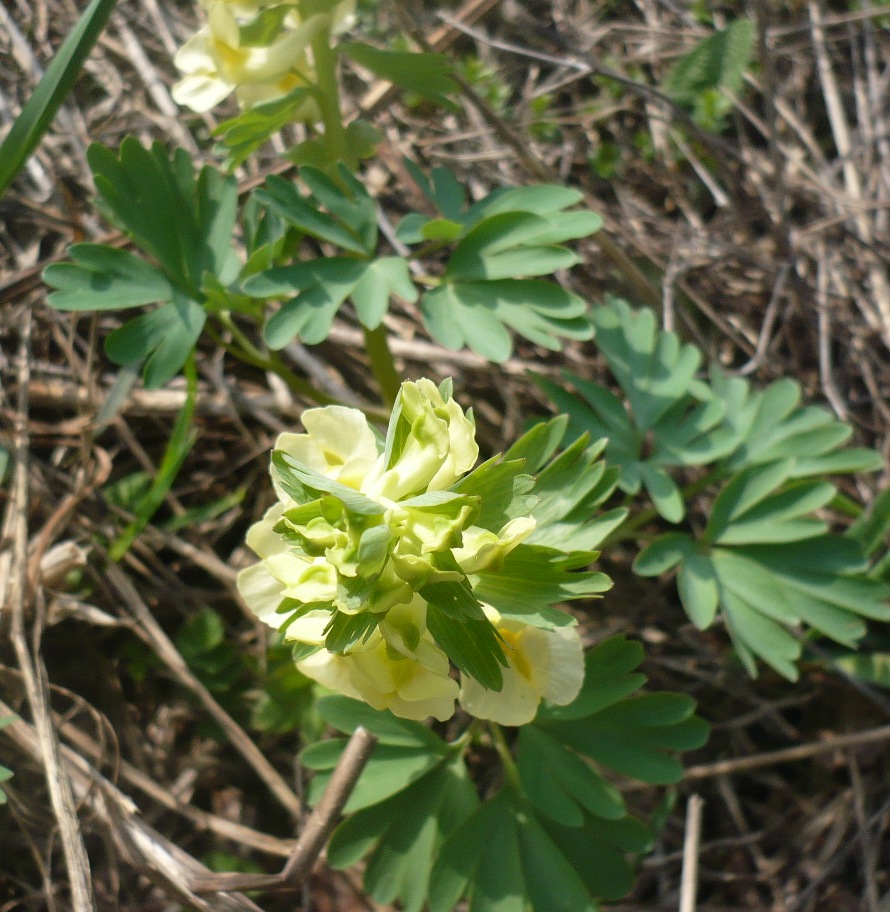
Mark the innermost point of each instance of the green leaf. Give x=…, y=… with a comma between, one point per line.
x=458, y=625
x=391, y=769
x=284, y=198
x=663, y=554
x=503, y=491
x=560, y=784
x=598, y=852
x=54, y=87
x=717, y=62
x=165, y=337
x=441, y=188
x=610, y=724
x=873, y=526
x=104, y=278
x=346, y=715
x=347, y=199
x=403, y=834
x=503, y=238
x=533, y=578
x=569, y=490
x=424, y=74
x=766, y=590
x=699, y=589
x=610, y=675
x=241, y=136
x=323, y=286
x=305, y=485
x=503, y=860
x=405, y=753
x=478, y=314
x=654, y=368
x=185, y=223
x=382, y=278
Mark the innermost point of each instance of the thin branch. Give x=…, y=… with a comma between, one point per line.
x=168, y=653
x=319, y=826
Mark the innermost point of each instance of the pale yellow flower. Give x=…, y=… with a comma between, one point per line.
x=216, y=63
x=338, y=443
x=398, y=668
x=542, y=665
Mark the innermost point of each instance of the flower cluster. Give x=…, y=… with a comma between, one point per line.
x=258, y=49
x=369, y=558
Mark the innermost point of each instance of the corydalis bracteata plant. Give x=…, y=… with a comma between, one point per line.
x=371, y=558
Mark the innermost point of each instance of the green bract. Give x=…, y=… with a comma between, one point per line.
x=382, y=560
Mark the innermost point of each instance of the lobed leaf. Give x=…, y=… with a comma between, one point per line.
x=105, y=278
x=163, y=338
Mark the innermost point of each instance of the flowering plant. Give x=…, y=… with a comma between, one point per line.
x=371, y=558
x=399, y=573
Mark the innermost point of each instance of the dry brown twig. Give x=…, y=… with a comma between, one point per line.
x=14, y=590
x=143, y=847
x=155, y=636
x=318, y=827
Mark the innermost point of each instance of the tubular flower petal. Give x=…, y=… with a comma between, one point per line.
x=542, y=665
x=220, y=59
x=398, y=668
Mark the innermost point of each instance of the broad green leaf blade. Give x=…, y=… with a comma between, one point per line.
x=105, y=278
x=455, y=322
x=465, y=634
x=404, y=833
x=533, y=578
x=611, y=724
x=165, y=337
x=560, y=784
x=664, y=491
x=760, y=636
x=634, y=737
x=391, y=769
x=552, y=882
x=598, y=852
x=698, y=588
x=663, y=554
x=496, y=235
x=346, y=198
x=425, y=74
x=241, y=136
x=609, y=677
x=381, y=279
x=52, y=90
x=477, y=314
x=305, y=485
x=284, y=198
x=185, y=223
x=459, y=859
x=346, y=715
x=654, y=368
x=718, y=62
x=743, y=491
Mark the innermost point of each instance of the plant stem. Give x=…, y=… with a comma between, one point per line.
x=329, y=97
x=511, y=773
x=247, y=352
x=382, y=364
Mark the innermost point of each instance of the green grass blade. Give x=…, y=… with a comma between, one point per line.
x=181, y=440
x=51, y=92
